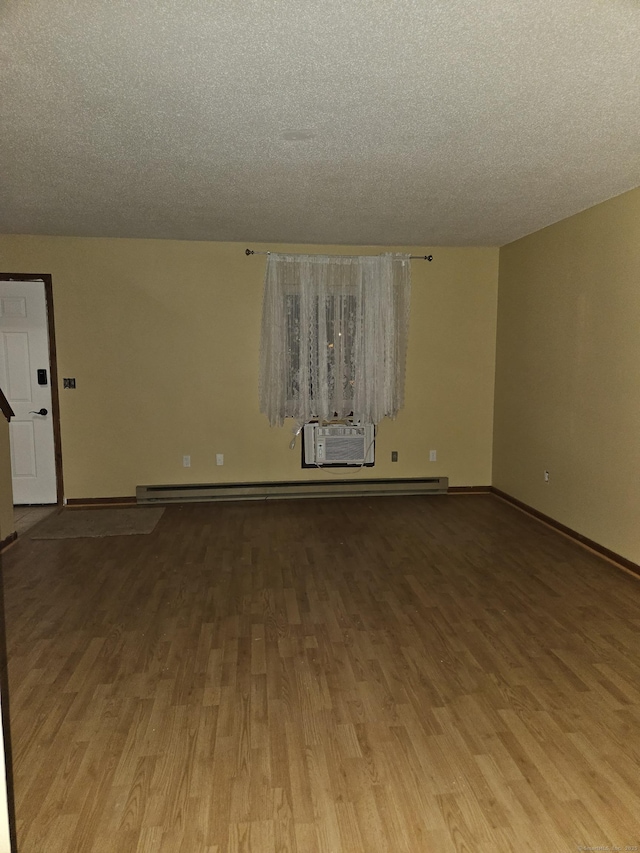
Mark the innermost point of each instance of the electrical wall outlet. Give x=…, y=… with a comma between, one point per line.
x=394, y=455
x=186, y=462
x=219, y=458
x=546, y=476
x=433, y=456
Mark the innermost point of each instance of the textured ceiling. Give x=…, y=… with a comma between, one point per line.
x=421, y=123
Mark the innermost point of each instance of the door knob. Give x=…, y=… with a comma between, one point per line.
x=41, y=412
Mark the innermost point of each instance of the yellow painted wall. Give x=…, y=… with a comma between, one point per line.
x=567, y=396
x=163, y=340
x=7, y=526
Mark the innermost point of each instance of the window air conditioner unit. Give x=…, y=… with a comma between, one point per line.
x=338, y=444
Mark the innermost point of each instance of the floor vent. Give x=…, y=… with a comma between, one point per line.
x=273, y=491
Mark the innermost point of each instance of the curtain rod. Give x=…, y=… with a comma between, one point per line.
x=411, y=257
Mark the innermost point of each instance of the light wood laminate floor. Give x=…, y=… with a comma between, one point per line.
x=430, y=674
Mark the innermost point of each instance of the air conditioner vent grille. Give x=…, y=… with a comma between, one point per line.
x=345, y=448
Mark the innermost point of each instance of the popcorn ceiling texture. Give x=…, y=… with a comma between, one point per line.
x=430, y=123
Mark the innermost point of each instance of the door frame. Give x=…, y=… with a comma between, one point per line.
x=53, y=368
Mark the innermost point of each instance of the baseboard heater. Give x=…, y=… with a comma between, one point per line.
x=304, y=489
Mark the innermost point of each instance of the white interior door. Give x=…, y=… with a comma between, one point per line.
x=25, y=378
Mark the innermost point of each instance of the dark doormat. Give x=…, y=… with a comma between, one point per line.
x=78, y=523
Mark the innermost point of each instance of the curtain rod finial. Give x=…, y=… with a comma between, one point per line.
x=248, y=251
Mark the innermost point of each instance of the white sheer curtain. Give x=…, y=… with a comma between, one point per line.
x=334, y=337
